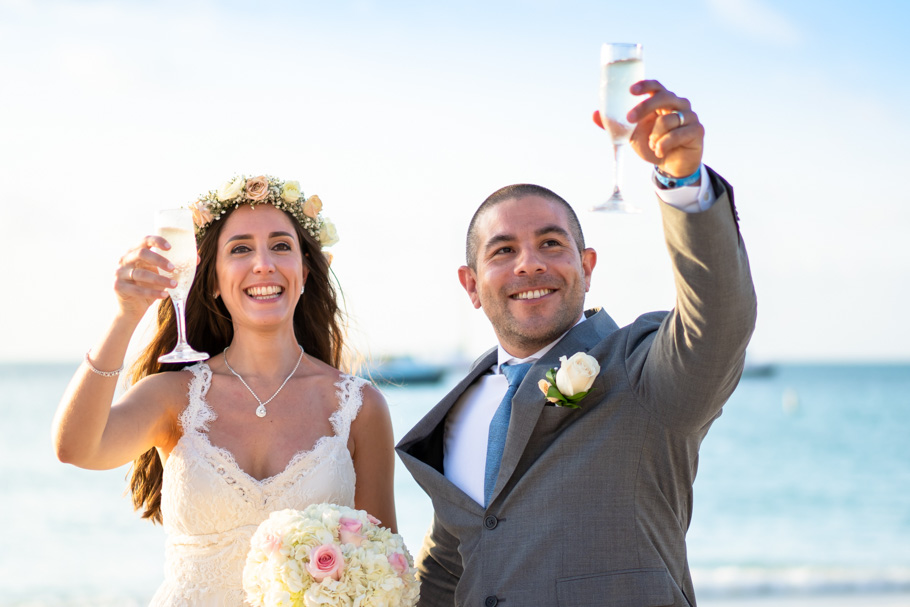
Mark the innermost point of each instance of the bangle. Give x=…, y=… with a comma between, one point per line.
x=98, y=371
x=670, y=183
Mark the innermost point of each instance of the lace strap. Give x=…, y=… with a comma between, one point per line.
x=197, y=415
x=350, y=399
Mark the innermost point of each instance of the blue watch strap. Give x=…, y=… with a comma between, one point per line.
x=670, y=183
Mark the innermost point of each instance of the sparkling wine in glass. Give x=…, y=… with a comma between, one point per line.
x=621, y=66
x=176, y=226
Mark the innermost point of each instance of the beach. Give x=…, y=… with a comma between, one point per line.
x=848, y=600
x=801, y=497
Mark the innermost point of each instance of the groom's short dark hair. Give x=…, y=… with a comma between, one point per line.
x=509, y=192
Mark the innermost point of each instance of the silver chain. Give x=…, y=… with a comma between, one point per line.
x=260, y=410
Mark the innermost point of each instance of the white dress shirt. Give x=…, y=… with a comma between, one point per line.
x=468, y=422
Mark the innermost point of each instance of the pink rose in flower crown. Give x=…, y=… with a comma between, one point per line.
x=257, y=188
x=399, y=563
x=370, y=517
x=326, y=561
x=349, y=531
x=201, y=213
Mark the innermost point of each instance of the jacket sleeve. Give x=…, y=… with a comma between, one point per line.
x=684, y=366
x=438, y=567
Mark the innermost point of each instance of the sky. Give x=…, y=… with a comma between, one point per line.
x=404, y=116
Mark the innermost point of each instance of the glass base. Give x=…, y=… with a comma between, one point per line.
x=616, y=205
x=183, y=354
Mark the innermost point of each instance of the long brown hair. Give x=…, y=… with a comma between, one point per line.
x=318, y=326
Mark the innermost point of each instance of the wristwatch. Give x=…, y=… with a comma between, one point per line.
x=666, y=182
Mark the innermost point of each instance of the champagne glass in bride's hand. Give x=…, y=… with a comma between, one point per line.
x=621, y=66
x=176, y=227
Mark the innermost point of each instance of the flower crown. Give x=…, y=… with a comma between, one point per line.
x=265, y=189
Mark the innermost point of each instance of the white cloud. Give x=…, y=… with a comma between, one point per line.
x=757, y=19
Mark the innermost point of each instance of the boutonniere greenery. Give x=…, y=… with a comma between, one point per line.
x=567, y=385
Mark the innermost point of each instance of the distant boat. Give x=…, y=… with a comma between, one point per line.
x=758, y=370
x=403, y=370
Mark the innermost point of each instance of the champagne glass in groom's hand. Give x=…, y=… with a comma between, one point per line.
x=621, y=66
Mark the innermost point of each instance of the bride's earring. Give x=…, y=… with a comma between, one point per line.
x=301, y=289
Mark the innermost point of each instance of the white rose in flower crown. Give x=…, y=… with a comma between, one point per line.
x=290, y=191
x=231, y=189
x=576, y=374
x=328, y=235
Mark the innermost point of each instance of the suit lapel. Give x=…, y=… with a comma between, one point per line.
x=421, y=449
x=424, y=441
x=529, y=400
x=437, y=414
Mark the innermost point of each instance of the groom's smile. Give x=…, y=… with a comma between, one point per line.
x=536, y=294
x=530, y=278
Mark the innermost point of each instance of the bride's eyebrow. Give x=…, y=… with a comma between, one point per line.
x=250, y=236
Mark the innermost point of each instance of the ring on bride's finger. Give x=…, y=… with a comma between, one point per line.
x=682, y=119
x=131, y=275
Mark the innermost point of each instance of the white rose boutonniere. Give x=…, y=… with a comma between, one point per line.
x=570, y=383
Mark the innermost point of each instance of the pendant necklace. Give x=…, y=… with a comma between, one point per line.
x=260, y=410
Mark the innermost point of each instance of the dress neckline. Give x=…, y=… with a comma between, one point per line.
x=315, y=452
x=302, y=455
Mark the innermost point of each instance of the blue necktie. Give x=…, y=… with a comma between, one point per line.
x=499, y=427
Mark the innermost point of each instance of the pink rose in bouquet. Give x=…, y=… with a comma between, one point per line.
x=325, y=561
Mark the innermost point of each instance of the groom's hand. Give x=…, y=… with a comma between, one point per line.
x=672, y=141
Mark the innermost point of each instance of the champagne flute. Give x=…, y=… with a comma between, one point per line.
x=176, y=226
x=621, y=66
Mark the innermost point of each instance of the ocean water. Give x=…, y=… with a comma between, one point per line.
x=803, y=489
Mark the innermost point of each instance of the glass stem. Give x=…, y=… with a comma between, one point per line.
x=181, y=322
x=617, y=170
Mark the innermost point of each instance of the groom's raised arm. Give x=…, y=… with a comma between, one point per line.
x=685, y=369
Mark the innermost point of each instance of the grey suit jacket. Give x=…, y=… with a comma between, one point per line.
x=592, y=505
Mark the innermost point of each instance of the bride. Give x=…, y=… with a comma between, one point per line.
x=205, y=464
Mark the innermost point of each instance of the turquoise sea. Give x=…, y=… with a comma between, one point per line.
x=803, y=489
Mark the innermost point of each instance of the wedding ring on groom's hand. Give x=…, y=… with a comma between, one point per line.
x=682, y=119
x=131, y=275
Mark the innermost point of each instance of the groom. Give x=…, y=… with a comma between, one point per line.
x=541, y=504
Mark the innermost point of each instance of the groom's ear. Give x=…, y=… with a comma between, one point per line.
x=468, y=280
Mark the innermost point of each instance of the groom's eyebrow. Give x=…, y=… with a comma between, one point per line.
x=552, y=228
x=499, y=239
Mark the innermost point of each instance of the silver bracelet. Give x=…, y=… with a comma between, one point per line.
x=98, y=371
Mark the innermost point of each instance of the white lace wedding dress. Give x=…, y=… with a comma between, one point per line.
x=211, y=507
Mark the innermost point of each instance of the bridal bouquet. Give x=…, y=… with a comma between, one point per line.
x=328, y=555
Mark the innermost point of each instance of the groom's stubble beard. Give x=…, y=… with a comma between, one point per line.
x=535, y=333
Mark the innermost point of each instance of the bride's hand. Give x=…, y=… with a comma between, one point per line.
x=138, y=283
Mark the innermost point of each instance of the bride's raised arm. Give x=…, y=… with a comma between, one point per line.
x=87, y=431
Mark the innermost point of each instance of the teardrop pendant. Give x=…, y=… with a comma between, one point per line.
x=260, y=411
